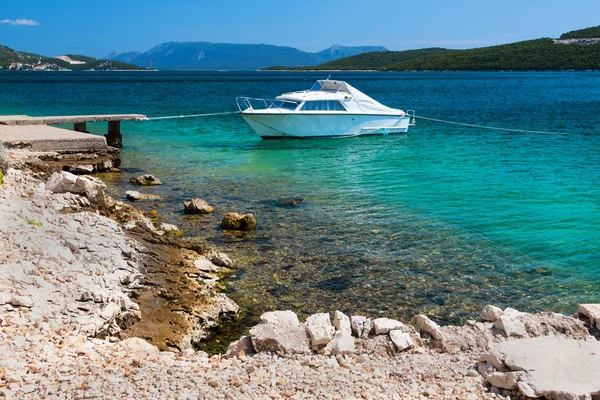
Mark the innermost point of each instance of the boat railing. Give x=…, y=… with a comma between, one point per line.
x=251, y=103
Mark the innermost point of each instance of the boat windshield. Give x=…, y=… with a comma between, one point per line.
x=327, y=85
x=286, y=104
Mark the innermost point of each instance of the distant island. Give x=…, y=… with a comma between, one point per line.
x=207, y=56
x=20, y=61
x=575, y=50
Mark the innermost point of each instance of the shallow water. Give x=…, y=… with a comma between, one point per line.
x=441, y=221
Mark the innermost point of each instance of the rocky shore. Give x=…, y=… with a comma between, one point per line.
x=98, y=302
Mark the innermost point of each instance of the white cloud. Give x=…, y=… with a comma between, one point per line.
x=28, y=22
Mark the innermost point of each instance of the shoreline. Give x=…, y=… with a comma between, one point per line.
x=80, y=268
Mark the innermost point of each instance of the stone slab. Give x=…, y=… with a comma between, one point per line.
x=68, y=119
x=49, y=138
x=554, y=367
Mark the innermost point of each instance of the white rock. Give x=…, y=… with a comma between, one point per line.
x=506, y=380
x=511, y=326
x=5, y=298
x=402, y=340
x=361, y=326
x=553, y=367
x=110, y=311
x=490, y=313
x=280, y=332
x=341, y=322
x=383, y=326
x=428, y=326
x=280, y=318
x=22, y=301
x=169, y=228
x=320, y=329
x=341, y=344
x=137, y=347
x=592, y=311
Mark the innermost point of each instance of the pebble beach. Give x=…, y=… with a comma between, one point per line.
x=74, y=323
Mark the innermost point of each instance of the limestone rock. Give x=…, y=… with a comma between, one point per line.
x=197, y=206
x=507, y=380
x=138, y=347
x=341, y=322
x=80, y=169
x=428, y=326
x=220, y=259
x=133, y=195
x=240, y=347
x=592, y=311
x=145, y=180
x=383, y=326
x=341, y=344
x=402, y=340
x=511, y=326
x=361, y=326
x=280, y=332
x=553, y=367
x=320, y=329
x=66, y=182
x=169, y=228
x=490, y=313
x=238, y=222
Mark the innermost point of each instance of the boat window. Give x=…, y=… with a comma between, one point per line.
x=288, y=105
x=335, y=105
x=323, y=105
x=320, y=105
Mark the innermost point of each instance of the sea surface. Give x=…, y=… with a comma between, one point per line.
x=442, y=220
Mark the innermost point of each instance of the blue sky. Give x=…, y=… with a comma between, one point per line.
x=100, y=27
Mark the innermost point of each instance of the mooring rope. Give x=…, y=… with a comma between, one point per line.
x=488, y=127
x=496, y=128
x=191, y=116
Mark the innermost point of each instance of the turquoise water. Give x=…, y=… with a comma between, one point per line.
x=442, y=220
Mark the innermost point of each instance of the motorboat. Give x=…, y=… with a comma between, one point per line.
x=329, y=109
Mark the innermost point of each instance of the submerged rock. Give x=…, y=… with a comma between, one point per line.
x=197, y=206
x=238, y=222
x=145, y=180
x=133, y=195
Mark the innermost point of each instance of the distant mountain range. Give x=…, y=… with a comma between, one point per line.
x=29, y=61
x=194, y=56
x=575, y=50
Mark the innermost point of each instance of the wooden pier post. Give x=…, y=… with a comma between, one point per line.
x=114, y=137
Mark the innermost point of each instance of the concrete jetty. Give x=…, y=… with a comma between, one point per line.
x=36, y=134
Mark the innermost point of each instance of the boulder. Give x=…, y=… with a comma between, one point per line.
x=133, y=195
x=504, y=380
x=220, y=259
x=341, y=344
x=241, y=347
x=238, y=222
x=361, y=326
x=197, y=206
x=428, y=326
x=80, y=169
x=280, y=332
x=510, y=325
x=383, y=326
x=145, y=180
x=551, y=367
x=592, y=312
x=402, y=340
x=320, y=329
x=490, y=313
x=66, y=182
x=341, y=322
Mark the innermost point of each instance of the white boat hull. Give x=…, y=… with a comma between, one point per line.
x=300, y=125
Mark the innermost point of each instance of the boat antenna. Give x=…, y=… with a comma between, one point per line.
x=328, y=77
